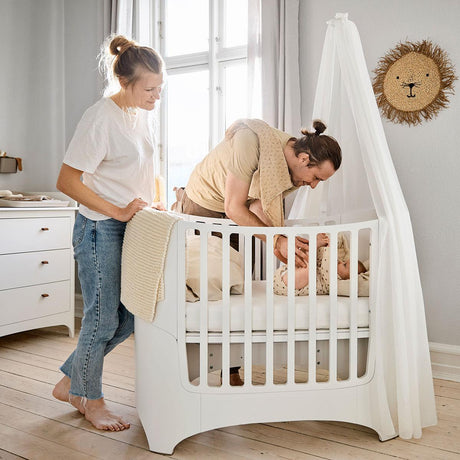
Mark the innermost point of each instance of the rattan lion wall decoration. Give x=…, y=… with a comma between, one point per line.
x=413, y=82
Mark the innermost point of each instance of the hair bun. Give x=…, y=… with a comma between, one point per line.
x=119, y=45
x=319, y=127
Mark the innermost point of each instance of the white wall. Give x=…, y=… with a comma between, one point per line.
x=83, y=38
x=48, y=77
x=32, y=90
x=426, y=157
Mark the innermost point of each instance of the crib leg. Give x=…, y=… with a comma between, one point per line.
x=384, y=438
x=167, y=411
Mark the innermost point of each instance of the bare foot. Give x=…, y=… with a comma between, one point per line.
x=97, y=412
x=235, y=380
x=61, y=392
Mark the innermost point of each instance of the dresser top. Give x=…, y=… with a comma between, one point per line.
x=41, y=205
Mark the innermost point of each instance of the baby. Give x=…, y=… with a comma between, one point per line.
x=301, y=278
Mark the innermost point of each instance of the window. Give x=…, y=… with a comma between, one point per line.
x=204, y=44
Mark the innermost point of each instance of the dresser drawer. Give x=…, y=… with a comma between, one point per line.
x=34, y=302
x=36, y=234
x=31, y=268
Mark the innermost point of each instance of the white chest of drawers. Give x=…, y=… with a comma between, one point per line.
x=37, y=270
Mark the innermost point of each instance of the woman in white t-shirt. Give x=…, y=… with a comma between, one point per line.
x=109, y=169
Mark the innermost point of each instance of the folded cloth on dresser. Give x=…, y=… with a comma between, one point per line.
x=145, y=245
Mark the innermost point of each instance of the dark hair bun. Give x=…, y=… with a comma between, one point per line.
x=119, y=45
x=319, y=127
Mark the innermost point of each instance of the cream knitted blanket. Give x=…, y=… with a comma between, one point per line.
x=145, y=246
x=272, y=178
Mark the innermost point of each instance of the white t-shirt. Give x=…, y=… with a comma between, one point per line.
x=114, y=149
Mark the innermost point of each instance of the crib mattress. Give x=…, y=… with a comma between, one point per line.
x=280, y=312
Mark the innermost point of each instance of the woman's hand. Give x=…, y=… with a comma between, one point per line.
x=126, y=214
x=301, y=250
x=158, y=205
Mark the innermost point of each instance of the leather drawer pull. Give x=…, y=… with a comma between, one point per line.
x=45, y=262
x=45, y=295
x=44, y=229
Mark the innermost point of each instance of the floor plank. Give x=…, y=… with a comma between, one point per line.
x=303, y=442
x=4, y=455
x=364, y=440
x=43, y=362
x=33, y=447
x=448, y=408
x=111, y=392
x=247, y=447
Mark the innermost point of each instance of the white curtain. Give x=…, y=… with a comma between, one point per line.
x=131, y=18
x=367, y=179
x=121, y=14
x=273, y=51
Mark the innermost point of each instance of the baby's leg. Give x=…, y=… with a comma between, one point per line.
x=301, y=277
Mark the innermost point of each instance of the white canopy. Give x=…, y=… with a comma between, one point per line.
x=367, y=183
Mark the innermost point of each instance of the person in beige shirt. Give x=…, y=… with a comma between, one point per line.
x=247, y=175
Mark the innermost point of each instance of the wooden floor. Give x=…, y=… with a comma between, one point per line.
x=35, y=426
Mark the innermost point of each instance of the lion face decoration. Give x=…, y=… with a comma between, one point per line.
x=413, y=81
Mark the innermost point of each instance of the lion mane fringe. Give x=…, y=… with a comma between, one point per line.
x=441, y=101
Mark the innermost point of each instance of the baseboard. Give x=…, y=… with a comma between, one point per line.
x=445, y=361
x=78, y=306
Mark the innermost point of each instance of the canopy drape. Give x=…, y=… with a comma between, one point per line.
x=367, y=184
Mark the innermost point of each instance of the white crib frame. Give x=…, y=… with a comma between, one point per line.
x=172, y=409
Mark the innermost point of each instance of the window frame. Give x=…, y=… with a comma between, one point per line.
x=213, y=60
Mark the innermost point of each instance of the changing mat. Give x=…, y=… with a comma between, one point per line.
x=280, y=308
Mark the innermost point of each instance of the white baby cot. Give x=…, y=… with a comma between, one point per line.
x=259, y=329
x=374, y=349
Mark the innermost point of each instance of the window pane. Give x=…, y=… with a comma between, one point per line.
x=188, y=126
x=235, y=92
x=187, y=27
x=235, y=23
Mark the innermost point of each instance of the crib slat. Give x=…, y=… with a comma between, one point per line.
x=291, y=311
x=269, y=316
x=354, y=305
x=203, y=308
x=257, y=254
x=312, y=309
x=241, y=243
x=248, y=310
x=225, y=307
x=333, y=307
x=181, y=277
x=373, y=264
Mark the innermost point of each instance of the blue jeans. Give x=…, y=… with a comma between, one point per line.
x=106, y=322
